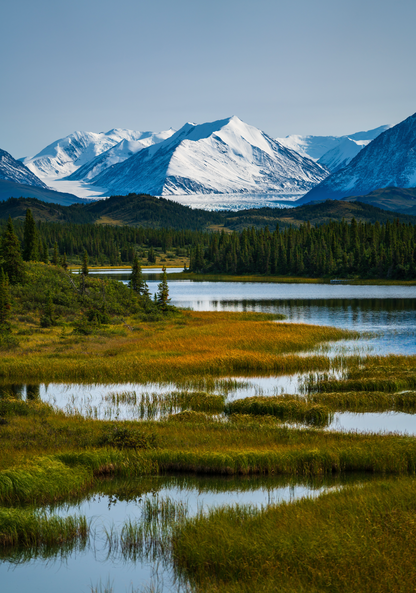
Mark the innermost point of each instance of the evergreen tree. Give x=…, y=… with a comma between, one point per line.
x=5, y=299
x=45, y=254
x=151, y=256
x=30, y=238
x=11, y=256
x=137, y=282
x=85, y=263
x=64, y=262
x=48, y=317
x=55, y=257
x=162, y=295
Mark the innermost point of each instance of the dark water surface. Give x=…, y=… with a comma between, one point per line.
x=107, y=511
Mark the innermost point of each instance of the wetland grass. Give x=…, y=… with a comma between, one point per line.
x=286, y=408
x=153, y=406
x=40, y=534
x=366, y=401
x=354, y=539
x=202, y=344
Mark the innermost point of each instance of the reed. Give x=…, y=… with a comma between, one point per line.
x=39, y=533
x=366, y=401
x=50, y=478
x=394, y=456
x=285, y=408
x=354, y=539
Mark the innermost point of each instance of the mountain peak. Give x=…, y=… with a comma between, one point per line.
x=223, y=156
x=388, y=161
x=13, y=170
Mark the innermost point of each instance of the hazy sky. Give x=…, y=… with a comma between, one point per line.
x=285, y=66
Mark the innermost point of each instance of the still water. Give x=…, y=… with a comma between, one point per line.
x=387, y=313
x=110, y=506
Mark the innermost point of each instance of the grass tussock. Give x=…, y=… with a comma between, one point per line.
x=50, y=478
x=388, y=374
x=356, y=539
x=366, y=401
x=39, y=533
x=286, y=408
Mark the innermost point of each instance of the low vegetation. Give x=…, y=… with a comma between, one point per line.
x=356, y=539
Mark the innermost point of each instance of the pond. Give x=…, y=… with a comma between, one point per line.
x=104, y=560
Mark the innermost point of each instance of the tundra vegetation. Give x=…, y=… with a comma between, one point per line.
x=57, y=326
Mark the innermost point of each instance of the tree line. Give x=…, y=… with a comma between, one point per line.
x=104, y=244
x=338, y=249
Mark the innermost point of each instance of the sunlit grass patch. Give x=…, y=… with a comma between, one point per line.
x=207, y=344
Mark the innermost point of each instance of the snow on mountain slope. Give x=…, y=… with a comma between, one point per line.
x=388, y=161
x=315, y=147
x=224, y=156
x=11, y=189
x=63, y=157
x=342, y=154
x=118, y=153
x=12, y=170
x=312, y=147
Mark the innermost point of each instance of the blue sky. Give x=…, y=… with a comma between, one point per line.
x=287, y=67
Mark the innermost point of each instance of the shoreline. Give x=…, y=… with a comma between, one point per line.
x=255, y=277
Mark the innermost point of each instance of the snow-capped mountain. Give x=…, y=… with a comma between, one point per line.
x=342, y=154
x=225, y=156
x=12, y=170
x=63, y=157
x=317, y=147
x=118, y=153
x=388, y=161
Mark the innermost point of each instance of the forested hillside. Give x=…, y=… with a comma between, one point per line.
x=157, y=213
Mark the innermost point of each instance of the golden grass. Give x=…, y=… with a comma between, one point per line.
x=199, y=343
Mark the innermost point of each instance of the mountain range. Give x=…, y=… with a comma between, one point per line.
x=388, y=161
x=226, y=156
x=226, y=164
x=334, y=152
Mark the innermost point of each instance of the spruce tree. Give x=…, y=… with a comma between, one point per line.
x=64, y=262
x=11, y=256
x=137, y=282
x=151, y=256
x=30, y=238
x=162, y=295
x=5, y=299
x=85, y=263
x=55, y=257
x=45, y=254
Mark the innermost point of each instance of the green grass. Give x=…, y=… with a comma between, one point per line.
x=38, y=534
x=356, y=539
x=366, y=401
x=286, y=408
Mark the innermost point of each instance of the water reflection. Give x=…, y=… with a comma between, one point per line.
x=151, y=506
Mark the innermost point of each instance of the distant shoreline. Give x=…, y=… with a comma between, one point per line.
x=256, y=278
